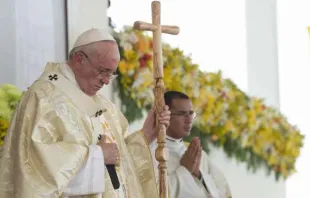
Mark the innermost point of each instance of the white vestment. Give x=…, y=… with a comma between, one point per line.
x=50, y=148
x=182, y=184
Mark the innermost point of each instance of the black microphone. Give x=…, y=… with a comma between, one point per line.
x=112, y=172
x=113, y=176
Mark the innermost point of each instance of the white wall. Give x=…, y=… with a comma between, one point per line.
x=34, y=33
x=218, y=36
x=83, y=15
x=262, y=50
x=7, y=40
x=263, y=76
x=294, y=62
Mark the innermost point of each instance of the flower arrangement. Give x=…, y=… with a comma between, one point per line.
x=243, y=126
x=9, y=97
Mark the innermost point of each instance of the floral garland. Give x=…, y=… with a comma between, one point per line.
x=9, y=97
x=243, y=126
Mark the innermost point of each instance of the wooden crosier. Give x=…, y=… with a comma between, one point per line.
x=158, y=74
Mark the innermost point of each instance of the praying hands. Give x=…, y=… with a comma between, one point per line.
x=192, y=157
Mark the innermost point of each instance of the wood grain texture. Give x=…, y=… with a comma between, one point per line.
x=159, y=89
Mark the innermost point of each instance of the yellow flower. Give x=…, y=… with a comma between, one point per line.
x=130, y=55
x=142, y=45
x=123, y=66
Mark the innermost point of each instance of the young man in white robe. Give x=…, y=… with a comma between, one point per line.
x=64, y=133
x=191, y=173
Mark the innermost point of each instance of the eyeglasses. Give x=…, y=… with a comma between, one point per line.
x=191, y=114
x=99, y=71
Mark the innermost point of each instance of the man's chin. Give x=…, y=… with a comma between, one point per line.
x=91, y=93
x=187, y=133
x=187, y=129
x=95, y=91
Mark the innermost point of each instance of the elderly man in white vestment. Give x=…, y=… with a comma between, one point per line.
x=190, y=171
x=64, y=134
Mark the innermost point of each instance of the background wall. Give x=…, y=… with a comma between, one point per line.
x=237, y=37
x=34, y=33
x=294, y=70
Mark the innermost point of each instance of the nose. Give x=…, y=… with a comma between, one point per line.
x=104, y=80
x=188, y=119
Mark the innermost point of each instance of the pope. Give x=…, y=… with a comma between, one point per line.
x=68, y=140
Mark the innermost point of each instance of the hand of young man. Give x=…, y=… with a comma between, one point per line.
x=192, y=157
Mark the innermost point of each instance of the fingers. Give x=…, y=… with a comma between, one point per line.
x=165, y=122
x=196, y=151
x=195, y=139
x=164, y=117
x=199, y=155
x=165, y=112
x=115, y=154
x=103, y=138
x=196, y=171
x=191, y=149
x=166, y=107
x=115, y=149
x=194, y=148
x=198, y=161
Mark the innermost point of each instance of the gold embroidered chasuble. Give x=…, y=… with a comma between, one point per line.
x=47, y=143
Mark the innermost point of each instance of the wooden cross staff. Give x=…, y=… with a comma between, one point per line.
x=158, y=74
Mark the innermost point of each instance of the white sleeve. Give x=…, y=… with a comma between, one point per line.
x=183, y=185
x=219, y=180
x=90, y=179
x=209, y=182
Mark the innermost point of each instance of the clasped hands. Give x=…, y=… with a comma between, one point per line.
x=192, y=157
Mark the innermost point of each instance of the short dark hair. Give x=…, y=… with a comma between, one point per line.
x=170, y=95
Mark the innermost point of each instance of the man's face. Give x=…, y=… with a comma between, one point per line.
x=94, y=71
x=182, y=115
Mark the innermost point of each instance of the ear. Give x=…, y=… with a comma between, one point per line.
x=77, y=58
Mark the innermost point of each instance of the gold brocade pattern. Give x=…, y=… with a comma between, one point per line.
x=47, y=143
x=143, y=163
x=110, y=138
x=117, y=122
x=30, y=162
